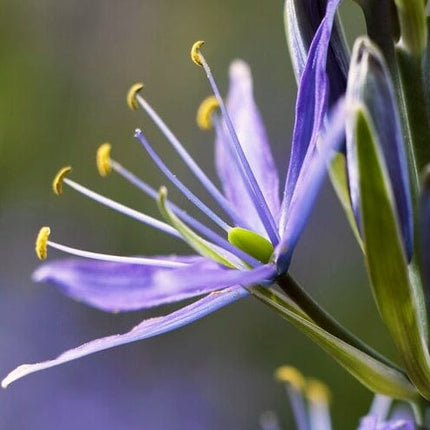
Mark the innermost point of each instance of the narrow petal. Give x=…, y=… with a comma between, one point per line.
x=311, y=176
x=252, y=135
x=369, y=422
x=311, y=106
x=302, y=19
x=127, y=287
x=369, y=83
x=146, y=329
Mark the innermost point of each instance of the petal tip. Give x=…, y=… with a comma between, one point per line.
x=240, y=71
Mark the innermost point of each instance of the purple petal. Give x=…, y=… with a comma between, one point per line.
x=253, y=138
x=146, y=329
x=311, y=106
x=369, y=83
x=302, y=19
x=368, y=422
x=371, y=422
x=126, y=287
x=309, y=182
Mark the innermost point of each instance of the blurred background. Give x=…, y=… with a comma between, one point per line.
x=65, y=69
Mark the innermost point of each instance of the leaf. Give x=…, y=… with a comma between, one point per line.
x=400, y=299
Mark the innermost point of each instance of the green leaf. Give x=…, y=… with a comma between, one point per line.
x=339, y=181
x=399, y=298
x=377, y=376
x=200, y=245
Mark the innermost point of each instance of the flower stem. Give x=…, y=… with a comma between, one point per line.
x=321, y=317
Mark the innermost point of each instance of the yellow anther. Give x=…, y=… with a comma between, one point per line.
x=204, y=113
x=290, y=375
x=131, y=95
x=317, y=392
x=195, y=52
x=57, y=183
x=104, y=165
x=41, y=247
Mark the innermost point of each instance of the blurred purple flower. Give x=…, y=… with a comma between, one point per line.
x=310, y=405
x=259, y=246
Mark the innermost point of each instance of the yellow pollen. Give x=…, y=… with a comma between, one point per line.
x=195, y=52
x=204, y=113
x=290, y=375
x=41, y=247
x=104, y=165
x=57, y=183
x=317, y=392
x=131, y=95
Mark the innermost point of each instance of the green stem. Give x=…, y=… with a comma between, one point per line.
x=419, y=407
x=322, y=318
x=414, y=91
x=382, y=27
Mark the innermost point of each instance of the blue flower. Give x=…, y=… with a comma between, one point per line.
x=310, y=404
x=261, y=230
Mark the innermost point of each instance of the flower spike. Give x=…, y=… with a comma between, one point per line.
x=57, y=183
x=195, y=52
x=41, y=247
x=131, y=95
x=204, y=113
x=104, y=165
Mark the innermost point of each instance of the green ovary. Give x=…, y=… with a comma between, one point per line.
x=251, y=243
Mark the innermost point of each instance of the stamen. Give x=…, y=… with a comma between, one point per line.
x=41, y=247
x=57, y=183
x=294, y=384
x=116, y=258
x=146, y=219
x=290, y=375
x=185, y=190
x=195, y=52
x=204, y=113
x=198, y=226
x=189, y=161
x=103, y=159
x=317, y=391
x=250, y=182
x=318, y=395
x=131, y=95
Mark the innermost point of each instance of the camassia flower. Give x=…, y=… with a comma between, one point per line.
x=250, y=245
x=310, y=405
